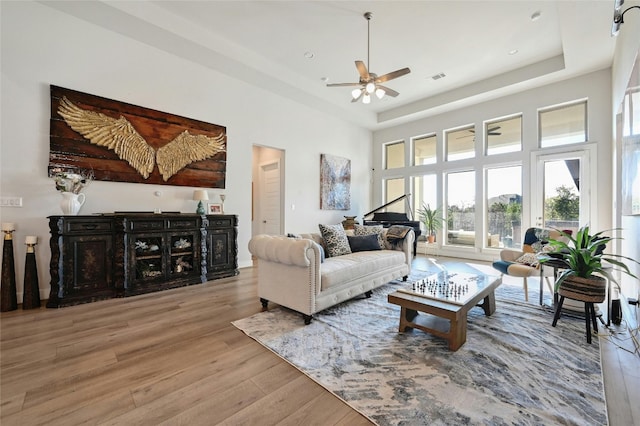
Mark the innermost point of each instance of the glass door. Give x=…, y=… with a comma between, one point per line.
x=561, y=185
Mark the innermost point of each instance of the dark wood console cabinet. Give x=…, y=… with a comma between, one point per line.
x=115, y=255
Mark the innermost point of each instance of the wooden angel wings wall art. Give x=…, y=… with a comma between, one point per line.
x=128, y=143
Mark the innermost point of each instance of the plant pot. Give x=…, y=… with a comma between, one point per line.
x=592, y=289
x=431, y=239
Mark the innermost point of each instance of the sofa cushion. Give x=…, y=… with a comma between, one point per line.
x=343, y=269
x=377, y=230
x=363, y=243
x=335, y=240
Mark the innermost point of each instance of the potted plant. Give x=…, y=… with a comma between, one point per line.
x=432, y=219
x=583, y=256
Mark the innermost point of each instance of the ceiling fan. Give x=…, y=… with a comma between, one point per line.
x=491, y=132
x=369, y=82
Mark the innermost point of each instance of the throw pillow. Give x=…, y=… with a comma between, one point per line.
x=335, y=240
x=361, y=230
x=529, y=259
x=364, y=243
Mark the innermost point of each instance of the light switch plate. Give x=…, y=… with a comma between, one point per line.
x=10, y=201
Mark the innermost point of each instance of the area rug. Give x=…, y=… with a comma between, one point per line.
x=514, y=368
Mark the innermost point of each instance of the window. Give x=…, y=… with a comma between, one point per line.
x=631, y=112
x=563, y=125
x=504, y=206
x=461, y=206
x=460, y=143
x=394, y=188
x=394, y=155
x=424, y=150
x=425, y=192
x=504, y=136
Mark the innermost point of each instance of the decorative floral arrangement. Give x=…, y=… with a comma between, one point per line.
x=72, y=182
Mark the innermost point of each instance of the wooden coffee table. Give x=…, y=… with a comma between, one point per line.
x=446, y=295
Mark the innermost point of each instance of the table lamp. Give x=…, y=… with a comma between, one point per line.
x=200, y=195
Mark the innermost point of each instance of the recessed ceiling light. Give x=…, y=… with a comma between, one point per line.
x=309, y=55
x=513, y=52
x=536, y=15
x=324, y=79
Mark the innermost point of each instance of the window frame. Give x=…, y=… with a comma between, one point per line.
x=557, y=107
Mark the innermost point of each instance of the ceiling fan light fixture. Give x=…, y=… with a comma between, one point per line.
x=380, y=93
x=356, y=93
x=366, y=99
x=370, y=87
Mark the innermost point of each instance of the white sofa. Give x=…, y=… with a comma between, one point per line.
x=291, y=274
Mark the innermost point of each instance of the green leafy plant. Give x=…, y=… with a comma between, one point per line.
x=432, y=218
x=583, y=255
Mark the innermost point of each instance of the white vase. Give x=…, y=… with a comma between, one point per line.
x=71, y=203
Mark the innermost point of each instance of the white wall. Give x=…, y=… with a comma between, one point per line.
x=41, y=46
x=627, y=47
x=595, y=87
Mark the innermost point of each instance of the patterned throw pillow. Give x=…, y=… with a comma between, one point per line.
x=335, y=240
x=529, y=259
x=361, y=230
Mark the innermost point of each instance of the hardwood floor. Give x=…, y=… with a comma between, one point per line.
x=174, y=358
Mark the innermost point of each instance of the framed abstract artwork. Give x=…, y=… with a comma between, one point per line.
x=335, y=183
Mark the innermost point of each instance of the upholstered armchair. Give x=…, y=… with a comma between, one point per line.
x=524, y=263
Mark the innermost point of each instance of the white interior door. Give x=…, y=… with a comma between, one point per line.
x=561, y=189
x=270, y=215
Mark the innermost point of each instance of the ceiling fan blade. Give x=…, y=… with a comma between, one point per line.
x=362, y=70
x=392, y=75
x=388, y=92
x=343, y=84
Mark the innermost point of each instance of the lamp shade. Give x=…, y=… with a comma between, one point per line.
x=200, y=195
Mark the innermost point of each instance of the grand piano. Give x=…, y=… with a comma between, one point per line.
x=386, y=219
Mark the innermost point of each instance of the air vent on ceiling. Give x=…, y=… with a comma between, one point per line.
x=438, y=76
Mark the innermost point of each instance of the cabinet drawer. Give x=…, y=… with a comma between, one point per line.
x=182, y=223
x=220, y=223
x=88, y=226
x=147, y=225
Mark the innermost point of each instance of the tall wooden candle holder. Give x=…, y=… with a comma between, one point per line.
x=9, y=300
x=31, y=295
